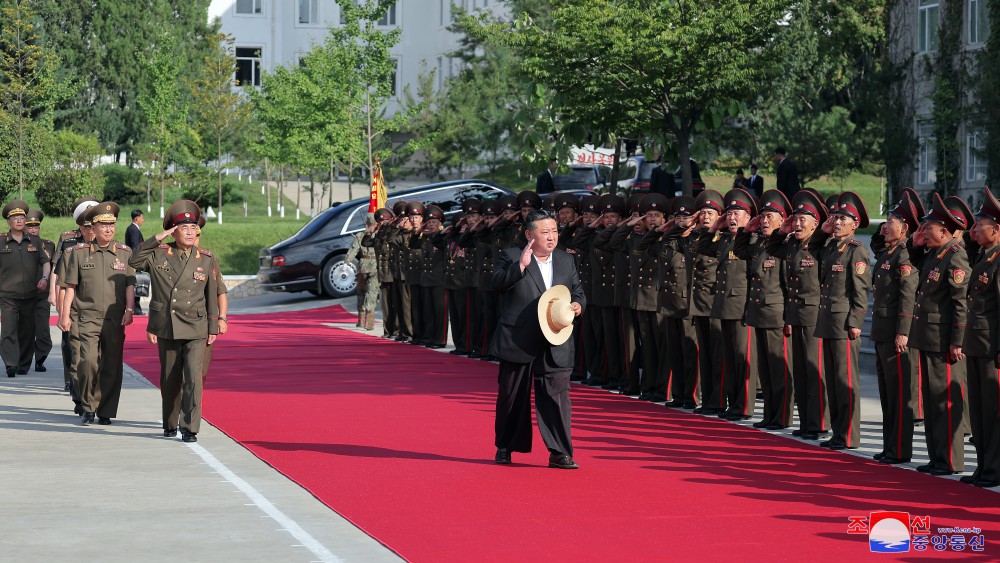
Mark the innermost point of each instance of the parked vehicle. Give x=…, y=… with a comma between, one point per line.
x=313, y=259
x=582, y=177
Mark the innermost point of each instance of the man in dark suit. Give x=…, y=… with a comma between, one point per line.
x=661, y=180
x=755, y=182
x=786, y=172
x=544, y=184
x=519, y=279
x=133, y=238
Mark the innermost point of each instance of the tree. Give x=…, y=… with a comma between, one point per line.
x=664, y=65
x=27, y=75
x=160, y=101
x=988, y=93
x=220, y=111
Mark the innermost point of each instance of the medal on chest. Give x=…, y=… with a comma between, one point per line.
x=117, y=265
x=886, y=266
x=807, y=263
x=934, y=275
x=984, y=278
x=769, y=263
x=837, y=267
x=32, y=248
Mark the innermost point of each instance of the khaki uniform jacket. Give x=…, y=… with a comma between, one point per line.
x=766, y=285
x=101, y=276
x=894, y=288
x=939, y=313
x=184, y=296
x=801, y=276
x=982, y=333
x=731, y=277
x=643, y=267
x=845, y=279
x=21, y=266
x=50, y=249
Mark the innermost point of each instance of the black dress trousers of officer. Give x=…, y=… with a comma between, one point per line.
x=981, y=348
x=21, y=266
x=707, y=328
x=414, y=272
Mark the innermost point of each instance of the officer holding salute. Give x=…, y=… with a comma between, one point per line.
x=938, y=331
x=24, y=271
x=43, y=339
x=183, y=314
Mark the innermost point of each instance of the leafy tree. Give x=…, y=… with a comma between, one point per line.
x=220, y=111
x=73, y=150
x=62, y=186
x=34, y=145
x=160, y=101
x=988, y=93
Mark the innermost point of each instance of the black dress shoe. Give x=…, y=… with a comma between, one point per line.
x=562, y=462
x=88, y=417
x=40, y=367
x=631, y=392
x=797, y=432
x=878, y=456
x=676, y=403
x=724, y=413
x=925, y=468
x=810, y=436
x=939, y=471
x=689, y=406
x=737, y=416
x=502, y=457
x=761, y=424
x=610, y=386
x=10, y=371
x=189, y=436
x=488, y=358
x=841, y=446
x=170, y=433
x=986, y=484
x=776, y=426
x=699, y=410
x=827, y=443
x=104, y=421
x=78, y=409
x=645, y=396
x=893, y=460
x=457, y=352
x=474, y=355
x=968, y=479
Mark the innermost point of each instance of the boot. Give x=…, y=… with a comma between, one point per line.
x=370, y=321
x=361, y=319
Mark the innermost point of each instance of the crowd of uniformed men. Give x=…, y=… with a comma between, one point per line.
x=704, y=302
x=90, y=280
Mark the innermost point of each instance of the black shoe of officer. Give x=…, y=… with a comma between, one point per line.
x=878, y=456
x=645, y=396
x=676, y=403
x=88, y=418
x=103, y=421
x=610, y=386
x=761, y=424
x=502, y=457
x=10, y=371
x=41, y=367
x=189, y=436
x=78, y=409
x=172, y=433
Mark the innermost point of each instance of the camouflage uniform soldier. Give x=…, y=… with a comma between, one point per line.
x=363, y=249
x=43, y=338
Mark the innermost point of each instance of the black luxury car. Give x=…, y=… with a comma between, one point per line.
x=313, y=259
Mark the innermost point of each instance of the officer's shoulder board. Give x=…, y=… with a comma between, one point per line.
x=854, y=242
x=958, y=246
x=164, y=245
x=205, y=252
x=122, y=246
x=78, y=246
x=67, y=235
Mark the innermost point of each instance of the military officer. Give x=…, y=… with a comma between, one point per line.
x=101, y=285
x=631, y=346
x=43, y=338
x=845, y=279
x=527, y=201
x=458, y=268
x=363, y=249
x=183, y=314
x=796, y=243
x=433, y=298
x=383, y=257
x=399, y=256
x=414, y=261
x=765, y=310
x=982, y=345
x=590, y=356
x=894, y=288
x=482, y=239
x=24, y=271
x=707, y=327
x=938, y=331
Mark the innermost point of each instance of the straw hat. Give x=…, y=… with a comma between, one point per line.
x=555, y=315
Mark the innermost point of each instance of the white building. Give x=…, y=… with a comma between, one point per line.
x=272, y=33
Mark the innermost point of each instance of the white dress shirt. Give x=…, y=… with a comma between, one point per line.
x=546, y=269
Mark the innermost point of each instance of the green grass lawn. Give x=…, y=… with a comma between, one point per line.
x=868, y=187
x=236, y=242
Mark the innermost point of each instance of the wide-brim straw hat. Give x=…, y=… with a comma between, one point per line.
x=555, y=315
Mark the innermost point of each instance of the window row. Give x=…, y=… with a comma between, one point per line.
x=975, y=155
x=248, y=68
x=929, y=21
x=308, y=12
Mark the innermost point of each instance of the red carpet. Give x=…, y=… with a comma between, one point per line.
x=399, y=440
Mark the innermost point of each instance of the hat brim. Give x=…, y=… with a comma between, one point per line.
x=555, y=293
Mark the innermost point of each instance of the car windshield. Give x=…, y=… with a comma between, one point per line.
x=586, y=175
x=317, y=223
x=646, y=170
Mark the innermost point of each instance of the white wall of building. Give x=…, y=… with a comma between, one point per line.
x=283, y=30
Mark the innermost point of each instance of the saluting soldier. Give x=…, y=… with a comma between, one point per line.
x=982, y=345
x=399, y=248
x=483, y=240
x=630, y=342
x=845, y=279
x=765, y=310
x=433, y=298
x=938, y=331
x=611, y=208
x=707, y=327
x=894, y=288
x=589, y=354
x=183, y=314
x=363, y=250
x=414, y=262
x=101, y=285
x=796, y=243
x=43, y=338
x=460, y=262
x=527, y=201
x=383, y=259
x=24, y=271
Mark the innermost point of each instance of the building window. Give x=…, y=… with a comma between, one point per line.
x=927, y=167
x=248, y=66
x=928, y=21
x=249, y=7
x=979, y=21
x=395, y=76
x=389, y=18
x=441, y=12
x=309, y=12
x=440, y=76
x=975, y=157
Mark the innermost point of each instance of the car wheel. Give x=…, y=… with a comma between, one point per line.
x=339, y=278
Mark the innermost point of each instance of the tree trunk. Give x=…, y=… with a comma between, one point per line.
x=684, y=152
x=267, y=184
x=330, y=195
x=218, y=173
x=312, y=193
x=613, y=187
x=350, y=177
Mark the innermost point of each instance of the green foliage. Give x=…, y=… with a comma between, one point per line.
x=949, y=70
x=205, y=191
x=35, y=148
x=73, y=150
x=988, y=91
x=123, y=184
x=62, y=186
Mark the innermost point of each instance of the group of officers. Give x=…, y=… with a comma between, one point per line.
x=704, y=302
x=90, y=280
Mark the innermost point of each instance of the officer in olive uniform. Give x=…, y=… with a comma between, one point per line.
x=101, y=285
x=460, y=277
x=24, y=271
x=938, y=331
x=363, y=249
x=433, y=299
x=631, y=346
x=765, y=310
x=414, y=261
x=527, y=201
x=796, y=243
x=399, y=248
x=708, y=328
x=894, y=288
x=383, y=258
x=590, y=356
x=982, y=345
x=483, y=241
x=43, y=338
x=183, y=314
x=845, y=279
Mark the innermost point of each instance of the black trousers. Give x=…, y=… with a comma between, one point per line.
x=896, y=373
x=17, y=332
x=944, y=406
x=458, y=315
x=739, y=370
x=43, y=338
x=652, y=331
x=390, y=324
x=473, y=322
x=984, y=411
x=709, y=332
x=434, y=302
x=631, y=348
x=613, y=347
x=775, y=377
x=417, y=313
x=552, y=406
x=843, y=389
x=401, y=302
x=679, y=360
x=807, y=377
x=593, y=342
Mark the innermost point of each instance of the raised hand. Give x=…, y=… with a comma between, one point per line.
x=526, y=254
x=786, y=226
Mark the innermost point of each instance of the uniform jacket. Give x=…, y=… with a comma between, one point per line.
x=363, y=249
x=982, y=331
x=383, y=254
x=602, y=263
x=414, y=258
x=939, y=312
x=101, y=277
x=432, y=253
x=845, y=279
x=456, y=261
x=766, y=284
x=50, y=249
x=399, y=253
x=184, y=296
x=731, y=277
x=703, y=270
x=21, y=266
x=801, y=276
x=518, y=336
x=644, y=269
x=672, y=275
x=894, y=288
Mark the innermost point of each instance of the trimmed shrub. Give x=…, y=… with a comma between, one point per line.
x=123, y=184
x=62, y=186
